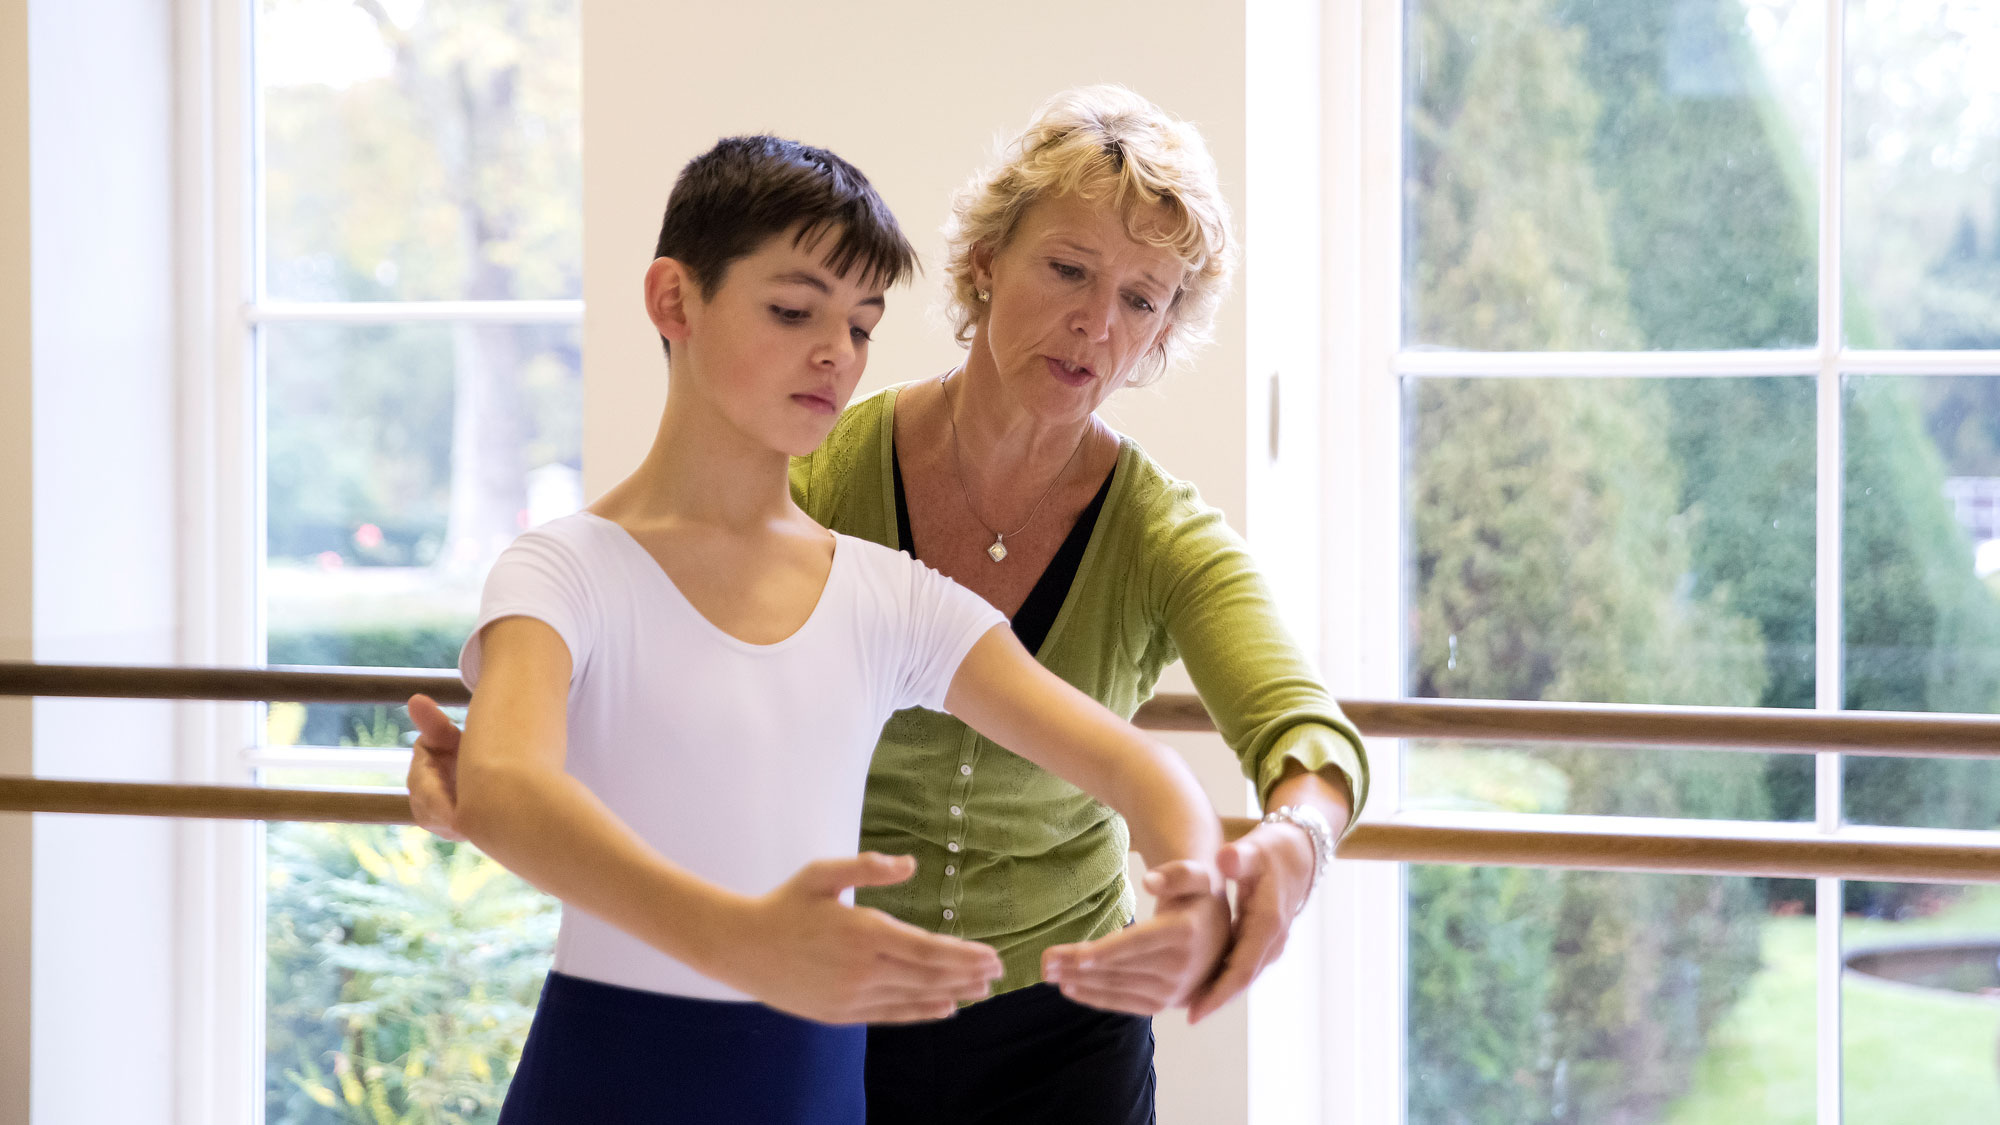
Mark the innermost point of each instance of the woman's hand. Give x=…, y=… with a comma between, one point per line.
x=802, y=950
x=1153, y=965
x=433, y=780
x=1272, y=867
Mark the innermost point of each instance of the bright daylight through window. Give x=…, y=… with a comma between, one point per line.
x=1670, y=364
x=416, y=338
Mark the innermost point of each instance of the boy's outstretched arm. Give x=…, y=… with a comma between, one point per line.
x=798, y=948
x=1001, y=692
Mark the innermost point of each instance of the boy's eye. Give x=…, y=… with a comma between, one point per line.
x=861, y=334
x=791, y=316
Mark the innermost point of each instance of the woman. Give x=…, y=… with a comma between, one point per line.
x=1091, y=258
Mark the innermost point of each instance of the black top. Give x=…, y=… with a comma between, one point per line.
x=1033, y=620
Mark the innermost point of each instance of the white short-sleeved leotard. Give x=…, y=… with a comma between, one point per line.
x=740, y=762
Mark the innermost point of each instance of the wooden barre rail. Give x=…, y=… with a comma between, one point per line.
x=1723, y=848
x=1872, y=733
x=1684, y=847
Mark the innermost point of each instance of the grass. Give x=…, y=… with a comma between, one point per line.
x=1909, y=1057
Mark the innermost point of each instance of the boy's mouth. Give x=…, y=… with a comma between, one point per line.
x=817, y=403
x=1069, y=374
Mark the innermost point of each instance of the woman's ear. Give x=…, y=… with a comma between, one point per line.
x=670, y=289
x=982, y=267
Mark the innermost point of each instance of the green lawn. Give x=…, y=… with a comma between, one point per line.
x=1911, y=1058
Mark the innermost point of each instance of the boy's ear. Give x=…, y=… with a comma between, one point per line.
x=670, y=289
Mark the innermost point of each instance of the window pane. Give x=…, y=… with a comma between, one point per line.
x=1922, y=584
x=401, y=972
x=1589, y=997
x=1922, y=188
x=1606, y=780
x=1919, y=1018
x=1620, y=175
x=1613, y=540
x=400, y=461
x=420, y=151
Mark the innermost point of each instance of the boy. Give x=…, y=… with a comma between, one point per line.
x=681, y=686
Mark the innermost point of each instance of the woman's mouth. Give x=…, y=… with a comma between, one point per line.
x=1069, y=374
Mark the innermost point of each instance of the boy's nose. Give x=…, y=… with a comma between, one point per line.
x=837, y=348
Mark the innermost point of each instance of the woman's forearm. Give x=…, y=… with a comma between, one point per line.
x=1326, y=791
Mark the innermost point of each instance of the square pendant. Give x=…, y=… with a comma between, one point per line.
x=998, y=551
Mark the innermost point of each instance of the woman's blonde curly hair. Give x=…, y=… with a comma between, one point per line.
x=1105, y=143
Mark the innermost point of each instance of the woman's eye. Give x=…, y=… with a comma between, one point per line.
x=1142, y=304
x=791, y=316
x=1065, y=270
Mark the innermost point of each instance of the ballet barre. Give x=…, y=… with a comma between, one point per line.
x=1512, y=840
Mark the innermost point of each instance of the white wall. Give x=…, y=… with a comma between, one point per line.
x=916, y=94
x=17, y=747
x=104, y=517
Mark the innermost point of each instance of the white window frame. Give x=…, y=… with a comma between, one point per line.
x=220, y=997
x=1365, y=638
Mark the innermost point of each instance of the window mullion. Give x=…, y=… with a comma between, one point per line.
x=1827, y=628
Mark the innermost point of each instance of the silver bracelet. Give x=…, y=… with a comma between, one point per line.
x=1317, y=830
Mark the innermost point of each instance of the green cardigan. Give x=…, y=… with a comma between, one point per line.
x=1007, y=853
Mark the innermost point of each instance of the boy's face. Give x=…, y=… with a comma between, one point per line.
x=781, y=343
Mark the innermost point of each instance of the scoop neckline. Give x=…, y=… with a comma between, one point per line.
x=818, y=611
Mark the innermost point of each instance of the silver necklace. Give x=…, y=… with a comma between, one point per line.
x=998, y=550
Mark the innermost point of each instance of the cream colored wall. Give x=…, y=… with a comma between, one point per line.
x=93, y=508
x=17, y=748
x=915, y=93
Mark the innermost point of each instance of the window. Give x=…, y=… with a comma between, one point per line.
x=411, y=325
x=1696, y=357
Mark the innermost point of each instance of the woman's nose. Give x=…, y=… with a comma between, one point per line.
x=1092, y=316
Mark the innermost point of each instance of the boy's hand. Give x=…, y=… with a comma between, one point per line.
x=433, y=779
x=1272, y=868
x=802, y=950
x=1156, y=964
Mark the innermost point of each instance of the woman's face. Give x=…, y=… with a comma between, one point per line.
x=1075, y=303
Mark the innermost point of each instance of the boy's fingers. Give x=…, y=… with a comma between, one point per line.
x=946, y=969
x=1146, y=940
x=905, y=1011
x=1240, y=860
x=434, y=728
x=913, y=945
x=1181, y=877
x=1115, y=1000
x=1140, y=979
x=829, y=877
x=1258, y=940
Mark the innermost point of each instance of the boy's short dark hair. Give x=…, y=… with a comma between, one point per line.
x=730, y=199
